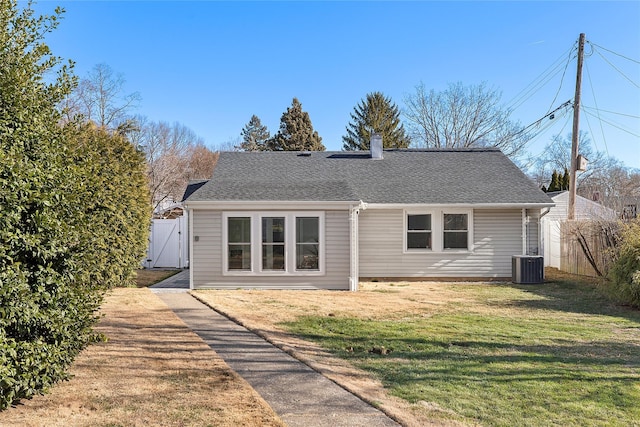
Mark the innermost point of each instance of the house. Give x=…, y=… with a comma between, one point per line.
x=585, y=210
x=324, y=220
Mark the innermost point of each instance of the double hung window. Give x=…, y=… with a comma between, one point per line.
x=456, y=231
x=418, y=231
x=239, y=243
x=273, y=243
x=437, y=230
x=307, y=243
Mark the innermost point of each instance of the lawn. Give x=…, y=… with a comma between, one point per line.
x=152, y=371
x=468, y=353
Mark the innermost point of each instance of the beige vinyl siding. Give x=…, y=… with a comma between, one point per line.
x=497, y=235
x=207, y=265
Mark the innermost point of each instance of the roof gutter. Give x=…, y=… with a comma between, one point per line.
x=270, y=204
x=460, y=205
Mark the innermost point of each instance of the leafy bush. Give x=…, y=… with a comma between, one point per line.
x=74, y=211
x=623, y=278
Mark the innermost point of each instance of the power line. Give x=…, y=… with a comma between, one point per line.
x=610, y=112
x=615, y=53
x=615, y=125
x=543, y=126
x=541, y=80
x=593, y=93
x=616, y=68
x=561, y=81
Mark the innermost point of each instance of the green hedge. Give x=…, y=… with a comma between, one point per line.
x=74, y=213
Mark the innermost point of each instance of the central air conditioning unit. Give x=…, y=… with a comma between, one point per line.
x=527, y=269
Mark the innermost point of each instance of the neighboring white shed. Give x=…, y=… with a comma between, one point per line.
x=585, y=210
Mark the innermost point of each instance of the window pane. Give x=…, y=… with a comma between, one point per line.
x=272, y=230
x=239, y=230
x=239, y=257
x=307, y=230
x=455, y=221
x=273, y=257
x=419, y=222
x=307, y=246
x=307, y=257
x=455, y=240
x=419, y=240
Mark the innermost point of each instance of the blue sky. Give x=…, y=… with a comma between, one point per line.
x=210, y=65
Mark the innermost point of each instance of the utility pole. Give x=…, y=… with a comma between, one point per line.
x=573, y=181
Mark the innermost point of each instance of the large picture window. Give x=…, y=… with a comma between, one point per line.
x=273, y=243
x=456, y=229
x=239, y=243
x=419, y=231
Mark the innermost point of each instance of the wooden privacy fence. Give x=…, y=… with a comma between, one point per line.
x=585, y=246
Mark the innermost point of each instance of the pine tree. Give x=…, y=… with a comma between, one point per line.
x=254, y=136
x=555, y=184
x=296, y=132
x=565, y=179
x=375, y=114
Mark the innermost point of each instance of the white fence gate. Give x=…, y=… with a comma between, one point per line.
x=168, y=244
x=551, y=242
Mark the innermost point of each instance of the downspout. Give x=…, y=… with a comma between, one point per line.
x=524, y=231
x=354, y=260
x=541, y=236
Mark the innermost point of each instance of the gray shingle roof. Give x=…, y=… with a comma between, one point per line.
x=466, y=176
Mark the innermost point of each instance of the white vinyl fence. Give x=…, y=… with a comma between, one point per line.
x=168, y=244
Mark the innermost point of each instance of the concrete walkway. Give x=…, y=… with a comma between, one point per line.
x=179, y=282
x=299, y=395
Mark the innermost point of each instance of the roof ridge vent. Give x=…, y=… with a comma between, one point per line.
x=304, y=154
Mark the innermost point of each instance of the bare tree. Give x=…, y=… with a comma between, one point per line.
x=175, y=155
x=200, y=162
x=606, y=179
x=99, y=98
x=462, y=116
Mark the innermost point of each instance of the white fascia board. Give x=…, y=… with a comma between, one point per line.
x=269, y=205
x=460, y=205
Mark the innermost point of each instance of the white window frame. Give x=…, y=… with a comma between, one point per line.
x=469, y=214
x=289, y=247
x=437, y=230
x=405, y=228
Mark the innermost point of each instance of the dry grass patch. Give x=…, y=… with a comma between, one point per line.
x=147, y=277
x=152, y=371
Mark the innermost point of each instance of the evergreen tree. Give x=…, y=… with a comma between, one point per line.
x=555, y=184
x=565, y=179
x=75, y=212
x=375, y=114
x=296, y=132
x=254, y=136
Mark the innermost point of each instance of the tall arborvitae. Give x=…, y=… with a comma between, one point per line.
x=375, y=114
x=556, y=182
x=254, y=136
x=565, y=179
x=296, y=132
